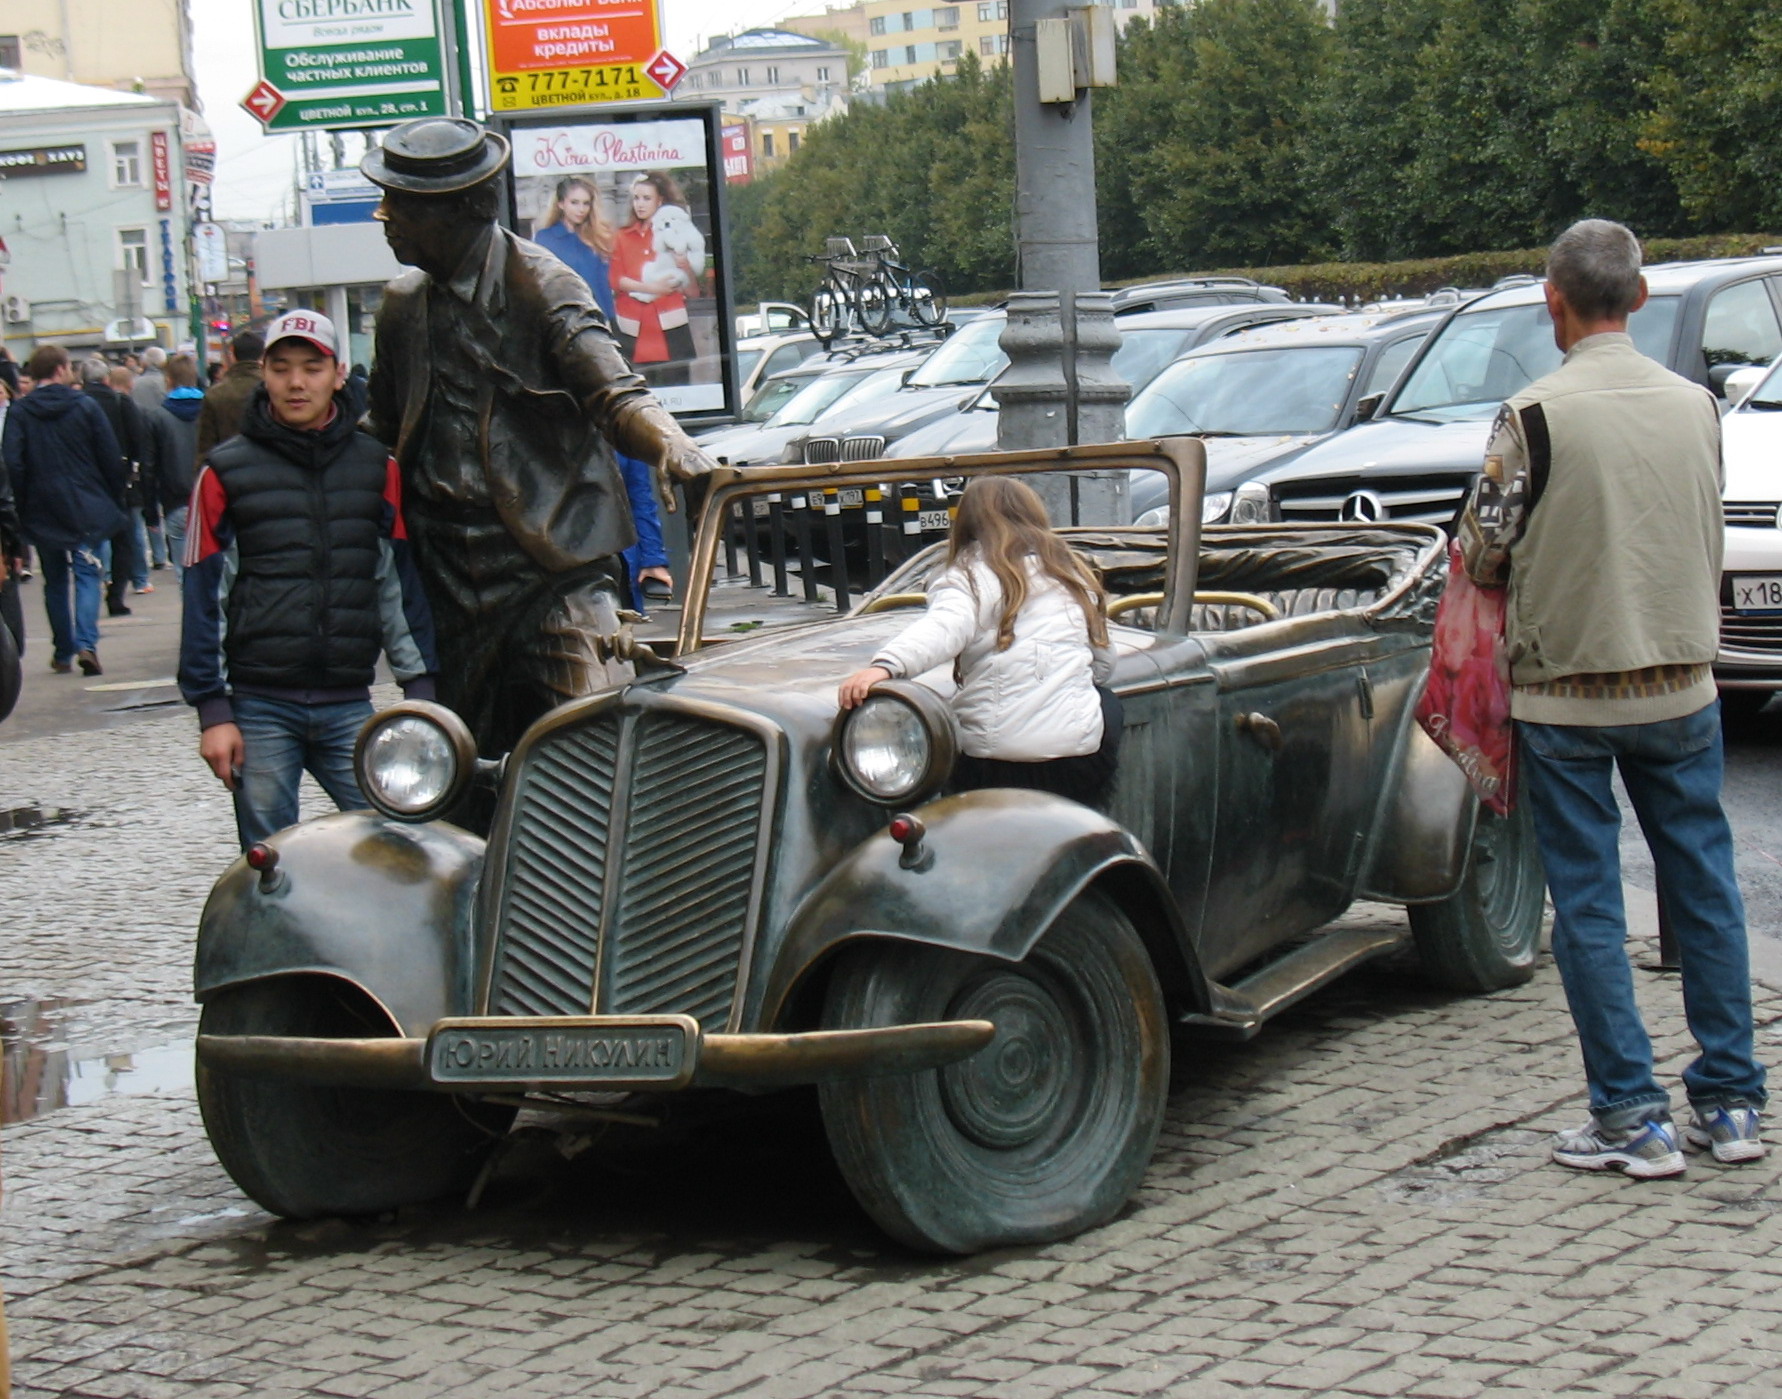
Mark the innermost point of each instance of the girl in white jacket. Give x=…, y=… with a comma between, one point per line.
x=1024, y=622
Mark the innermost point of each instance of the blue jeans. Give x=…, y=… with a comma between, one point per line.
x=80, y=570
x=1672, y=773
x=281, y=740
x=139, y=562
x=174, y=523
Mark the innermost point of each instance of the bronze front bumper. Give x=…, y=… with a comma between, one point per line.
x=509, y=1054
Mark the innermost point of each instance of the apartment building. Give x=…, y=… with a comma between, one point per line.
x=133, y=47
x=780, y=82
x=905, y=46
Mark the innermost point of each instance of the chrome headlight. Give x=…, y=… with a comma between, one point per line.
x=1155, y=516
x=1214, y=506
x=898, y=746
x=1252, y=504
x=414, y=760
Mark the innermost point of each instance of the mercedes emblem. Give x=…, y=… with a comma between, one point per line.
x=1362, y=508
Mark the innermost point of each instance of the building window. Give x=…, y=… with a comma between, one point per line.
x=987, y=44
x=878, y=58
x=876, y=24
x=909, y=53
x=10, y=56
x=692, y=80
x=950, y=50
x=947, y=17
x=126, y=164
x=133, y=252
x=791, y=142
x=986, y=12
x=773, y=74
x=822, y=75
x=767, y=143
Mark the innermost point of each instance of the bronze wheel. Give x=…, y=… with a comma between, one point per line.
x=1486, y=935
x=303, y=1151
x=1046, y=1131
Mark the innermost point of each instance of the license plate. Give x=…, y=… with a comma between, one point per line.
x=760, y=509
x=849, y=495
x=927, y=520
x=1757, y=592
x=634, y=1052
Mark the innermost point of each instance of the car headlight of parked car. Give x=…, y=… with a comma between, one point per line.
x=899, y=745
x=1252, y=505
x=414, y=760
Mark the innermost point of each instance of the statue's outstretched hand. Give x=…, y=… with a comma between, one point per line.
x=685, y=461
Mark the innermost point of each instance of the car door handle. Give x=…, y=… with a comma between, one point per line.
x=1261, y=728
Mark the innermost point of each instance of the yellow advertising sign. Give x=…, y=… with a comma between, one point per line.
x=561, y=53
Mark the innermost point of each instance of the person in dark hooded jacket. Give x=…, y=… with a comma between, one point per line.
x=68, y=479
x=173, y=425
x=298, y=574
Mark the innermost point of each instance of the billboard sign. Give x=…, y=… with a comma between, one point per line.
x=632, y=202
x=568, y=53
x=330, y=64
x=739, y=160
x=339, y=196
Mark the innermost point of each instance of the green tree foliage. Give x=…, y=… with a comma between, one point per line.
x=1199, y=149
x=1259, y=132
x=932, y=167
x=1715, y=114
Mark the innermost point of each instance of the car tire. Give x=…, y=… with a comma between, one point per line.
x=1046, y=1131
x=1487, y=935
x=304, y=1151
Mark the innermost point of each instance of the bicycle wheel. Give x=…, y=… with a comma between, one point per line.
x=928, y=299
x=874, y=301
x=826, y=312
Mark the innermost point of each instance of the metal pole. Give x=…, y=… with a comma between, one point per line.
x=1055, y=230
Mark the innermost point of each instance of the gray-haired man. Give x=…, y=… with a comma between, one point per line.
x=1600, y=507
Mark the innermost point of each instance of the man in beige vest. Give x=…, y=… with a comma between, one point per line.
x=1599, y=507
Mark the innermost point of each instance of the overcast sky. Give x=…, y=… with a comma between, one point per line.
x=254, y=171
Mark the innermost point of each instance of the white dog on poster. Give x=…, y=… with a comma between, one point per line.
x=672, y=231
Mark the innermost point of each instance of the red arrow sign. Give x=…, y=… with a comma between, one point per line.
x=666, y=70
x=265, y=101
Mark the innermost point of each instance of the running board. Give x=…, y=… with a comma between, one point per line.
x=1239, y=1011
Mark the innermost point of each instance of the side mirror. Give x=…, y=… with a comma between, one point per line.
x=907, y=373
x=1736, y=384
x=1365, y=408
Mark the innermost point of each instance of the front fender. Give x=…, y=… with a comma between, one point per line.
x=997, y=867
x=1420, y=850
x=383, y=904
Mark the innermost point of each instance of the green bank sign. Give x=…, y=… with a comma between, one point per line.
x=347, y=63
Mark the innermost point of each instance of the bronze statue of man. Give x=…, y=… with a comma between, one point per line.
x=498, y=383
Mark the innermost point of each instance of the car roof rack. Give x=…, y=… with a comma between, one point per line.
x=846, y=349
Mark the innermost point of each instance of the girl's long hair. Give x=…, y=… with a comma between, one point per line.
x=1006, y=523
x=668, y=190
x=597, y=233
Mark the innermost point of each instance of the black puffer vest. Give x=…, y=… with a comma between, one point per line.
x=308, y=512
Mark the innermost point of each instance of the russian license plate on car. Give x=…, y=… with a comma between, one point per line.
x=632, y=1052
x=933, y=520
x=850, y=496
x=1757, y=592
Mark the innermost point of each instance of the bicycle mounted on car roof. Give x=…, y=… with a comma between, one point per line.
x=871, y=288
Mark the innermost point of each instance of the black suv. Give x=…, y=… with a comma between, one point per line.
x=1417, y=457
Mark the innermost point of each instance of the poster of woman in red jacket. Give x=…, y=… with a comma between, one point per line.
x=658, y=260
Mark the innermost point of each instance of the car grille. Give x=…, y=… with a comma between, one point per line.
x=1751, y=514
x=820, y=451
x=1435, y=500
x=627, y=885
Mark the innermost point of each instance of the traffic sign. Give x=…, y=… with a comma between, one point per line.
x=264, y=102
x=575, y=52
x=332, y=64
x=666, y=69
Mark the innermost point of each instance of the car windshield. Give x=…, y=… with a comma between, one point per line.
x=972, y=356
x=875, y=384
x=1482, y=357
x=1143, y=353
x=774, y=394
x=815, y=398
x=1248, y=393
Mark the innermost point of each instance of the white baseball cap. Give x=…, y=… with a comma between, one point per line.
x=312, y=326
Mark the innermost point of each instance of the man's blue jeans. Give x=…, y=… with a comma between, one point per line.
x=1672, y=773
x=281, y=740
x=74, y=624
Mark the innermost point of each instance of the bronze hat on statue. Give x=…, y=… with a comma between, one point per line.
x=435, y=155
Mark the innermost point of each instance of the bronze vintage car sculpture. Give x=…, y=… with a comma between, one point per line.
x=706, y=879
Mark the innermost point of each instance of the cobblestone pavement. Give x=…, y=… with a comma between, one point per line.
x=1356, y=1203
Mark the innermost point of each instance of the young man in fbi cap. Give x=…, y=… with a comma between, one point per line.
x=498, y=381
x=297, y=577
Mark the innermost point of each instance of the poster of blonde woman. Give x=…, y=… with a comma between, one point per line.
x=630, y=202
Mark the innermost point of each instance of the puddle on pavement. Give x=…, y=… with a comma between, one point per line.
x=17, y=822
x=42, y=1071
x=1464, y=1170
